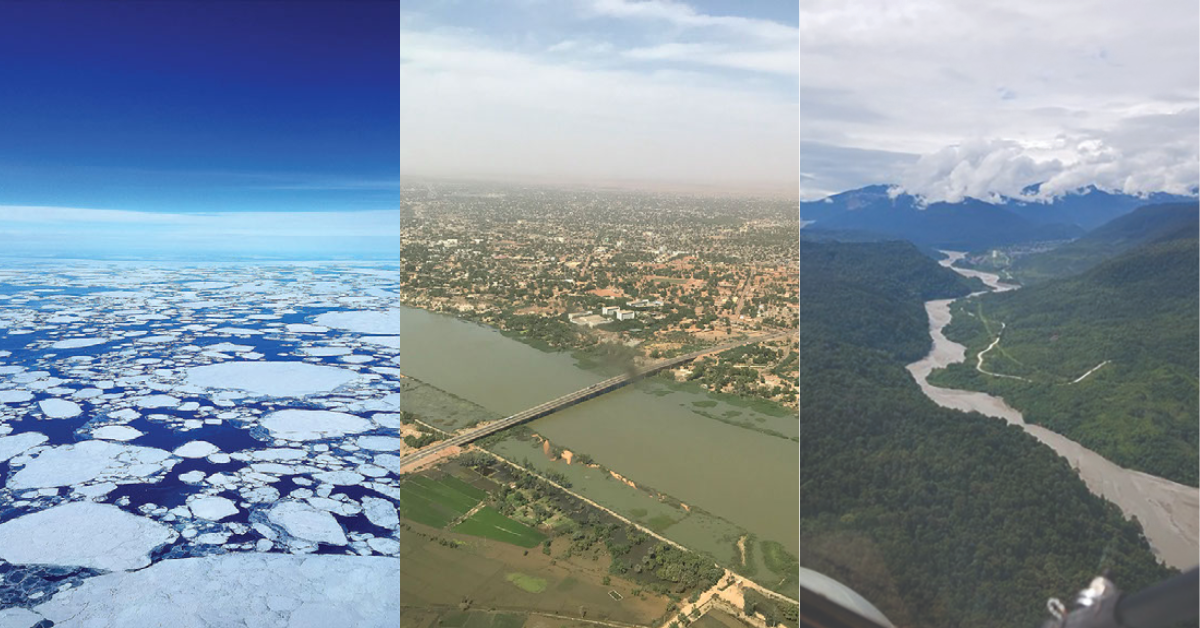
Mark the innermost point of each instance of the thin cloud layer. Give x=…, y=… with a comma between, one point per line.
x=615, y=91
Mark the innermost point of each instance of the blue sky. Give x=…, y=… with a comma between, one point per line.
x=198, y=107
x=648, y=93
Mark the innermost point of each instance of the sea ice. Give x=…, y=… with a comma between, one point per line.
x=301, y=328
x=275, y=379
x=78, y=343
x=196, y=449
x=379, y=443
x=294, y=591
x=211, y=508
x=363, y=322
x=381, y=512
x=19, y=618
x=69, y=465
x=83, y=534
x=59, y=408
x=306, y=522
x=15, y=396
x=298, y=425
x=116, y=432
x=17, y=443
x=156, y=401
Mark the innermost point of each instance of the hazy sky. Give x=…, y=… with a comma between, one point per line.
x=184, y=108
x=657, y=91
x=953, y=98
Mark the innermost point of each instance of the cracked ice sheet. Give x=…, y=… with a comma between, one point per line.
x=72, y=465
x=255, y=590
x=82, y=534
x=276, y=379
x=375, y=323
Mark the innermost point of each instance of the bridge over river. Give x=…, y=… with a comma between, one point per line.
x=595, y=390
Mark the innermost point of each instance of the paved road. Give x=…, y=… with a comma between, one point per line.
x=594, y=390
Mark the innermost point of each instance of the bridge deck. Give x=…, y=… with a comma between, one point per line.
x=578, y=396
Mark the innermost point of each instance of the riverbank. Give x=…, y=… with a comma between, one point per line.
x=1168, y=511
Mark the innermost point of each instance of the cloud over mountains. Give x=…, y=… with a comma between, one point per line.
x=986, y=98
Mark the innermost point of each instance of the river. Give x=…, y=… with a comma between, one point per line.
x=679, y=443
x=1168, y=511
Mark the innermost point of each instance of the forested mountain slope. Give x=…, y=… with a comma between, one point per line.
x=1144, y=225
x=1133, y=319
x=967, y=225
x=937, y=517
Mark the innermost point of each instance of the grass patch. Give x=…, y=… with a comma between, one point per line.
x=778, y=559
x=488, y=523
x=638, y=513
x=437, y=502
x=707, y=403
x=530, y=584
x=508, y=620
x=660, y=523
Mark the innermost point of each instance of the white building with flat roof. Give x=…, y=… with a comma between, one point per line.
x=624, y=315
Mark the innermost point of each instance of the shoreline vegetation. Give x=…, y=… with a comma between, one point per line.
x=781, y=574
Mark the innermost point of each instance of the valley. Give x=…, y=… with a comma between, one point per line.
x=1168, y=512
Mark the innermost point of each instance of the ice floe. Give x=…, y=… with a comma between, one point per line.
x=275, y=379
x=116, y=432
x=303, y=521
x=83, y=534
x=18, y=443
x=301, y=425
x=363, y=322
x=59, y=408
x=211, y=508
x=92, y=460
x=253, y=590
x=196, y=449
x=78, y=343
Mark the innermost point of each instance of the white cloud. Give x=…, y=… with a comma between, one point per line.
x=1040, y=81
x=1139, y=155
x=776, y=60
x=683, y=15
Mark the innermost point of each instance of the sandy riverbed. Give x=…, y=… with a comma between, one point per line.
x=1168, y=511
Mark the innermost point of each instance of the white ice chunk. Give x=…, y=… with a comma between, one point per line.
x=294, y=591
x=59, y=408
x=338, y=478
x=78, y=343
x=305, y=522
x=116, y=432
x=276, y=379
x=69, y=465
x=211, y=508
x=301, y=328
x=84, y=534
x=381, y=512
x=19, y=618
x=364, y=322
x=384, y=545
x=196, y=449
x=380, y=443
x=156, y=401
x=297, y=425
x=17, y=443
x=15, y=396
